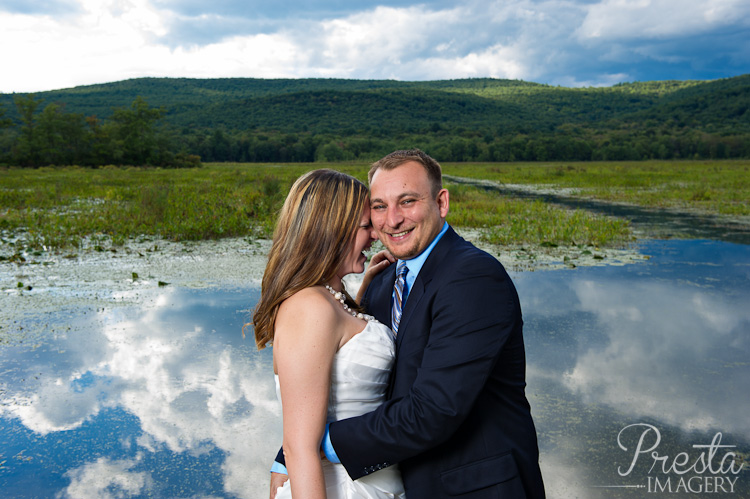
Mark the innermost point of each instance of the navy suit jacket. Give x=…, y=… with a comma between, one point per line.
x=457, y=419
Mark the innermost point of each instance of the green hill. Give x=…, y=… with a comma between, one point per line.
x=249, y=119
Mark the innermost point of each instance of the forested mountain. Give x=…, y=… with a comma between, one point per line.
x=244, y=119
x=180, y=95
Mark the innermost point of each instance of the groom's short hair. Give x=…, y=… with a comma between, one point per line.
x=398, y=158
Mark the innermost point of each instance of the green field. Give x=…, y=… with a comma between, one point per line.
x=60, y=208
x=718, y=187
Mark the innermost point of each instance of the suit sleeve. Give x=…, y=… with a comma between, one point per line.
x=474, y=311
x=280, y=457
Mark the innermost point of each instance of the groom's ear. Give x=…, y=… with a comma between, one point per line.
x=443, y=202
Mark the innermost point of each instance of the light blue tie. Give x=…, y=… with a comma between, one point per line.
x=399, y=289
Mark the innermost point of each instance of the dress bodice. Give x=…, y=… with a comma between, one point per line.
x=360, y=372
x=359, y=380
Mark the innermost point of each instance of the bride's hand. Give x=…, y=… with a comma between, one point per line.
x=378, y=263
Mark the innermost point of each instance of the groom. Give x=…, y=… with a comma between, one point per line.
x=457, y=420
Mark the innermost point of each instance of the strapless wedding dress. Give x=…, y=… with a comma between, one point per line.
x=359, y=380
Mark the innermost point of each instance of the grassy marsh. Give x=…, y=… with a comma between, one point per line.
x=512, y=221
x=716, y=187
x=57, y=208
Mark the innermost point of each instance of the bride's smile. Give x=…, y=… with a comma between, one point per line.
x=354, y=263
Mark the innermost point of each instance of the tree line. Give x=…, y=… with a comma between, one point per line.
x=52, y=136
x=221, y=146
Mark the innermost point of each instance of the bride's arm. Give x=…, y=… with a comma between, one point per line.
x=378, y=263
x=305, y=342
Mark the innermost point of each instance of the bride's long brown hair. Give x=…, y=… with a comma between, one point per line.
x=316, y=225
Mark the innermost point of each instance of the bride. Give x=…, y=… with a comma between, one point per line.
x=331, y=360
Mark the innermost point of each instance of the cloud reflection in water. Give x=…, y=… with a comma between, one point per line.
x=181, y=368
x=665, y=342
x=671, y=356
x=168, y=400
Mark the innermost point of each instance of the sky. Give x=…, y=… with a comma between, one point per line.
x=54, y=44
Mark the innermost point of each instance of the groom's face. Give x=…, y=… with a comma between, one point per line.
x=404, y=213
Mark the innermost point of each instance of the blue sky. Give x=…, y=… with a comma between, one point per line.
x=51, y=44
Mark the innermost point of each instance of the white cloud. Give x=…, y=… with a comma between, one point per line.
x=111, y=42
x=552, y=41
x=56, y=406
x=94, y=47
x=658, y=337
x=563, y=475
x=106, y=479
x=638, y=19
x=495, y=62
x=417, y=43
x=602, y=80
x=189, y=392
x=380, y=41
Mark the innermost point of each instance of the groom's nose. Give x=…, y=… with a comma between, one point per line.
x=394, y=217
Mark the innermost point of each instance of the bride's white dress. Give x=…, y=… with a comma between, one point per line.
x=358, y=385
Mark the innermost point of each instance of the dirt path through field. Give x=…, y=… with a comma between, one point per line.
x=647, y=222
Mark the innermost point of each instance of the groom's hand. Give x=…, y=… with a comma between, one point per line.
x=277, y=480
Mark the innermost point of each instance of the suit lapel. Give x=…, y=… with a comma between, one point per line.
x=428, y=271
x=380, y=306
x=412, y=300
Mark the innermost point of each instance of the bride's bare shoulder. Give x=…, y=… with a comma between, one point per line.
x=309, y=309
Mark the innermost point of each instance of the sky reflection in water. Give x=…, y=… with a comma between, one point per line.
x=169, y=401
x=664, y=342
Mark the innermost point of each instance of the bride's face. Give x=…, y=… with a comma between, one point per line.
x=355, y=260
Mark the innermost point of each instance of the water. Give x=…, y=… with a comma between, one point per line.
x=168, y=400
x=663, y=343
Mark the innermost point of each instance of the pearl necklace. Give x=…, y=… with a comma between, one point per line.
x=339, y=296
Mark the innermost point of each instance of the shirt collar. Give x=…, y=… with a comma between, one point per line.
x=415, y=264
